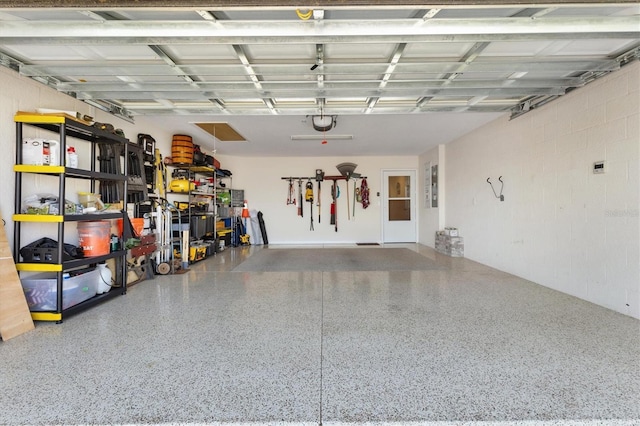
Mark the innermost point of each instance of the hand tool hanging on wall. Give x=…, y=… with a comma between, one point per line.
x=335, y=193
x=301, y=204
x=332, y=219
x=291, y=199
x=355, y=192
x=348, y=202
x=347, y=170
x=308, y=196
x=319, y=179
x=318, y=203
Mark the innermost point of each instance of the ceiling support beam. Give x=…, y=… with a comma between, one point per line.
x=506, y=64
x=465, y=61
x=534, y=102
x=296, y=32
x=477, y=49
x=255, y=78
x=10, y=62
x=431, y=13
x=230, y=94
x=393, y=63
x=243, y=4
x=342, y=109
x=320, y=76
x=108, y=106
x=397, y=85
x=158, y=50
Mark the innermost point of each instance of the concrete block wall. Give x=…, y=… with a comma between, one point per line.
x=560, y=225
x=19, y=93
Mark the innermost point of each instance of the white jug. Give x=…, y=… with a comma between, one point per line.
x=104, y=282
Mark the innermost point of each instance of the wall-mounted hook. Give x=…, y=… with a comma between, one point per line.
x=501, y=197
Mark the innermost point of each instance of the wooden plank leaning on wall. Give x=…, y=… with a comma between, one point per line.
x=15, y=318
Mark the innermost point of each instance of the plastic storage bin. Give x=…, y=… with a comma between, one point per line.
x=41, y=289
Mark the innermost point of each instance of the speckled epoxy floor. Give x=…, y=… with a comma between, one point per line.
x=465, y=344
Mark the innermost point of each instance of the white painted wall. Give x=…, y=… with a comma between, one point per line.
x=560, y=225
x=267, y=192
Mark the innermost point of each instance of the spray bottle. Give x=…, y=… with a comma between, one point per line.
x=72, y=157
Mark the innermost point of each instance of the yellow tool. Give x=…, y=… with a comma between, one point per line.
x=181, y=185
x=161, y=174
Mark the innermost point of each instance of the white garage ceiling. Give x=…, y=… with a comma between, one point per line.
x=398, y=77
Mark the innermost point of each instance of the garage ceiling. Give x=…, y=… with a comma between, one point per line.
x=448, y=67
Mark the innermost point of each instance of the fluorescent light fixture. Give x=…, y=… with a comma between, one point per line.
x=321, y=137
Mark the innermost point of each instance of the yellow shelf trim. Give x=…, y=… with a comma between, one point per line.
x=46, y=316
x=51, y=218
x=39, y=118
x=28, y=168
x=39, y=267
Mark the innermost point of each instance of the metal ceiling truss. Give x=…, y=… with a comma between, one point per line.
x=393, y=82
x=269, y=4
x=286, y=67
x=80, y=33
x=534, y=102
x=307, y=89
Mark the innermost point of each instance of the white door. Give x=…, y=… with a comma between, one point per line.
x=399, y=206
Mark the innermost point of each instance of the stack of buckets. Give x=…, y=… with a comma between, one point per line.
x=182, y=149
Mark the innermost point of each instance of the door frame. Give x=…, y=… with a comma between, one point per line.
x=385, y=201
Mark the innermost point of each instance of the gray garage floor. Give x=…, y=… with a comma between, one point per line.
x=454, y=343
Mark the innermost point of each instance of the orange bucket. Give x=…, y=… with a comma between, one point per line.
x=136, y=222
x=94, y=238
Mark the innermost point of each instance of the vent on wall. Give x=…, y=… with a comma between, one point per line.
x=222, y=131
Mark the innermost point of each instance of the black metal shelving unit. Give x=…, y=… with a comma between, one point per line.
x=67, y=127
x=201, y=223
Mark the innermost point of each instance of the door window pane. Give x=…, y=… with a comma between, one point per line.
x=399, y=210
x=399, y=187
